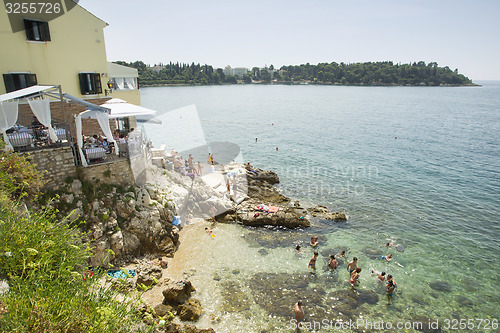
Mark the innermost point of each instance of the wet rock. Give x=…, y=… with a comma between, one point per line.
x=235, y=300
x=148, y=274
x=263, y=252
x=372, y=253
x=440, y=286
x=190, y=311
x=464, y=301
x=177, y=292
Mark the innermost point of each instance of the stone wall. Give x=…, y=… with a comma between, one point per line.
x=56, y=163
x=117, y=172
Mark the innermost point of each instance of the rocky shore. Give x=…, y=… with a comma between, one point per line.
x=131, y=228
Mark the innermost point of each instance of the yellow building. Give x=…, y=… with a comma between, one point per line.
x=68, y=51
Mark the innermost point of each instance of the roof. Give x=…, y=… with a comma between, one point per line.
x=115, y=70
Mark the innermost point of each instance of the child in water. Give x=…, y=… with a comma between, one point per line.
x=333, y=262
x=312, y=262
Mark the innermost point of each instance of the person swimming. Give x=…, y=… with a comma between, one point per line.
x=298, y=248
x=387, y=257
x=314, y=241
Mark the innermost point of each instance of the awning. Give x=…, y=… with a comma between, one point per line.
x=25, y=92
x=120, y=108
x=90, y=106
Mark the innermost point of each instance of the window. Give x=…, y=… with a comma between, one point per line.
x=37, y=30
x=18, y=81
x=90, y=83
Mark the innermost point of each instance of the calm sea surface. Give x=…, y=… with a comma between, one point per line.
x=415, y=166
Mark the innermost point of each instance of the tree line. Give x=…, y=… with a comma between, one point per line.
x=366, y=74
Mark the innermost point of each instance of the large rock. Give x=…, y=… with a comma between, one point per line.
x=190, y=311
x=147, y=274
x=177, y=292
x=162, y=310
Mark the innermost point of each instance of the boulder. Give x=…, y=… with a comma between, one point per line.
x=176, y=328
x=162, y=310
x=76, y=187
x=147, y=273
x=177, y=292
x=190, y=311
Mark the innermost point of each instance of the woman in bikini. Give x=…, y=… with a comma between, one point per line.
x=390, y=289
x=312, y=262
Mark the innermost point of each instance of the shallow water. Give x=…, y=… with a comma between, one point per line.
x=415, y=166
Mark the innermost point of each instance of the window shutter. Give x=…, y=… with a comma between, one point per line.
x=31, y=80
x=83, y=83
x=44, y=30
x=28, y=27
x=97, y=83
x=8, y=79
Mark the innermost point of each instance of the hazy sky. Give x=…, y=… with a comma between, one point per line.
x=455, y=33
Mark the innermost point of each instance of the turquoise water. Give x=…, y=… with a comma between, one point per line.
x=416, y=166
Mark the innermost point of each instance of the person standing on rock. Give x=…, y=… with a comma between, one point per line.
x=299, y=313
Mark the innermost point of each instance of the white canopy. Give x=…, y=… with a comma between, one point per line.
x=120, y=108
x=24, y=92
x=103, y=119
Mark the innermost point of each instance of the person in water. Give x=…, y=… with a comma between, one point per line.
x=380, y=275
x=333, y=262
x=391, y=279
x=314, y=241
x=298, y=248
x=355, y=276
x=388, y=257
x=390, y=288
x=352, y=265
x=299, y=312
x=312, y=262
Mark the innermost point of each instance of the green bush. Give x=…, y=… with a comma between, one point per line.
x=45, y=262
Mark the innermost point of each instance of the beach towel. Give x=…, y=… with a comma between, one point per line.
x=262, y=208
x=273, y=209
x=119, y=274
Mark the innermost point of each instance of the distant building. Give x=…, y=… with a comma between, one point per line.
x=157, y=69
x=239, y=72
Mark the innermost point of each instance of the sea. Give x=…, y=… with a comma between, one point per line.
x=412, y=166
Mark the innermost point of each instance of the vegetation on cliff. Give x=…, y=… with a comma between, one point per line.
x=364, y=74
x=44, y=262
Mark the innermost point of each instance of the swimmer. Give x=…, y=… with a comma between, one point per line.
x=333, y=262
x=388, y=257
x=208, y=231
x=298, y=248
x=355, y=276
x=312, y=262
x=314, y=241
x=299, y=312
x=162, y=262
x=381, y=276
x=353, y=265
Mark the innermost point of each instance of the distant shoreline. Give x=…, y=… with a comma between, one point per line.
x=303, y=84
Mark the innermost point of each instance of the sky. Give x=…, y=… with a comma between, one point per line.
x=254, y=33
